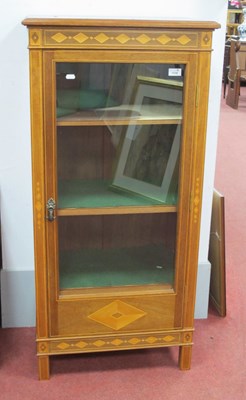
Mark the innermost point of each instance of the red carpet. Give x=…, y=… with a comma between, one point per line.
x=219, y=354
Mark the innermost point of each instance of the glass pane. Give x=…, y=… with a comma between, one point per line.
x=119, y=133
x=107, y=251
x=119, y=129
x=96, y=86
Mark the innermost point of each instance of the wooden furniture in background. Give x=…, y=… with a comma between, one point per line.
x=237, y=72
x=226, y=66
x=116, y=268
x=242, y=60
x=234, y=19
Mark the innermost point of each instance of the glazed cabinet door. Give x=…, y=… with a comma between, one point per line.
x=118, y=162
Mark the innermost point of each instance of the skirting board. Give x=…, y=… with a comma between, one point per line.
x=202, y=290
x=18, y=296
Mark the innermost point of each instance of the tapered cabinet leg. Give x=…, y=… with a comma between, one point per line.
x=185, y=357
x=43, y=367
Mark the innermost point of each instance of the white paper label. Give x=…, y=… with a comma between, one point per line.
x=174, y=72
x=70, y=76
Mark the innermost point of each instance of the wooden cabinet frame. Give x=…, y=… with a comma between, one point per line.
x=67, y=40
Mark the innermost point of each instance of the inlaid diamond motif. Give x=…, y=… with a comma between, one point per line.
x=81, y=345
x=122, y=38
x=168, y=338
x=99, y=343
x=134, y=340
x=81, y=37
x=63, y=346
x=163, y=39
x=117, y=342
x=35, y=37
x=143, y=39
x=196, y=200
x=117, y=315
x=102, y=37
x=151, y=339
x=184, y=39
x=59, y=37
x=38, y=206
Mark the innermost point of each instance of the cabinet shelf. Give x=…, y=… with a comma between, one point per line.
x=69, y=212
x=125, y=115
x=96, y=197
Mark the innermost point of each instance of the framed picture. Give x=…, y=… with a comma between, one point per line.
x=149, y=153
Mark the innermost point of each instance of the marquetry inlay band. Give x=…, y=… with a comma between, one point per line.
x=85, y=345
x=113, y=38
x=113, y=342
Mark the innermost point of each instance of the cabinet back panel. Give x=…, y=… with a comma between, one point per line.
x=84, y=153
x=111, y=231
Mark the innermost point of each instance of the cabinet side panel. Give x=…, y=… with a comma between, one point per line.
x=185, y=184
x=36, y=83
x=197, y=184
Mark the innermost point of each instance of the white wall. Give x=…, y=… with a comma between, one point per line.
x=15, y=156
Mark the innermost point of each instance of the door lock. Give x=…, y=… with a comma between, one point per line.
x=51, y=205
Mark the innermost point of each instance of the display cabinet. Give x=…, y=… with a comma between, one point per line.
x=118, y=121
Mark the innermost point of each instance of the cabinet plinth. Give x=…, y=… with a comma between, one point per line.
x=118, y=122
